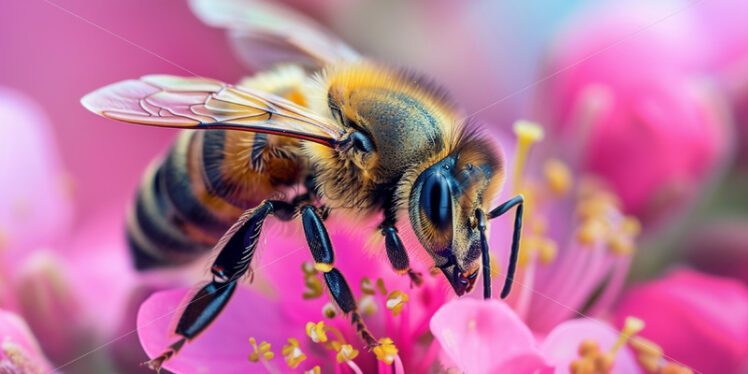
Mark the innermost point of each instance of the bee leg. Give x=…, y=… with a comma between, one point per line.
x=517, y=201
x=324, y=261
x=398, y=256
x=237, y=247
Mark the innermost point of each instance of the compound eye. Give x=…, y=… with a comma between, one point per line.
x=436, y=201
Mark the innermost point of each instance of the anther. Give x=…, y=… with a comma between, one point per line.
x=316, y=331
x=395, y=301
x=557, y=176
x=367, y=287
x=329, y=311
x=367, y=305
x=385, y=351
x=527, y=134
x=314, y=370
x=261, y=352
x=346, y=352
x=293, y=354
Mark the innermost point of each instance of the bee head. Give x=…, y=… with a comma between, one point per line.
x=443, y=204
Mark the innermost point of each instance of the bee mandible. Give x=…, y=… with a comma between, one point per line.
x=351, y=136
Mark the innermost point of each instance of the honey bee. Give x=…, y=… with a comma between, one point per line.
x=349, y=135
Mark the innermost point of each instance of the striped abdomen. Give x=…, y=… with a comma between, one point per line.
x=206, y=181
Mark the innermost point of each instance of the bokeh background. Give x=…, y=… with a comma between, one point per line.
x=651, y=96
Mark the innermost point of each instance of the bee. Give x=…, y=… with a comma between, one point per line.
x=350, y=136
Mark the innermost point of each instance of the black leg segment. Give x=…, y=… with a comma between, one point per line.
x=324, y=261
x=237, y=247
x=501, y=209
x=398, y=256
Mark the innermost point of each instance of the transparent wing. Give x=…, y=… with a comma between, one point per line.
x=265, y=34
x=200, y=103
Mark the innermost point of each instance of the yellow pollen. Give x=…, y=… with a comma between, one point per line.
x=263, y=351
x=314, y=370
x=592, y=230
x=329, y=311
x=313, y=288
x=346, y=352
x=557, y=176
x=380, y=286
x=308, y=268
x=367, y=305
x=316, y=331
x=548, y=251
x=386, y=350
x=588, y=348
x=395, y=301
x=293, y=354
x=527, y=134
x=620, y=245
x=593, y=361
x=367, y=287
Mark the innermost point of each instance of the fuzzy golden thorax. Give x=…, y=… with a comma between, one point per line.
x=393, y=120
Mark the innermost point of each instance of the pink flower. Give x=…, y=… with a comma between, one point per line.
x=488, y=337
x=575, y=242
x=654, y=131
x=699, y=320
x=19, y=351
x=274, y=310
x=50, y=271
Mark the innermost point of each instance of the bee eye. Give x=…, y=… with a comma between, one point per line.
x=436, y=201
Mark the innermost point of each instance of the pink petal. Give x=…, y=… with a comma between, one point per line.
x=561, y=345
x=485, y=336
x=35, y=199
x=656, y=134
x=699, y=320
x=224, y=346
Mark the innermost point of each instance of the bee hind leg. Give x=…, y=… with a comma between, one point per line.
x=324, y=261
x=237, y=247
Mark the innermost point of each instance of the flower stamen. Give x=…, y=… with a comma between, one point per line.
x=527, y=134
x=293, y=354
x=395, y=301
x=261, y=352
x=386, y=351
x=316, y=331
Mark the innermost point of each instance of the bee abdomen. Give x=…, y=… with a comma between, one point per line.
x=153, y=233
x=173, y=221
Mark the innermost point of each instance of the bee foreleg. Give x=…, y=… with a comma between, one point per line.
x=517, y=201
x=237, y=247
x=398, y=256
x=324, y=261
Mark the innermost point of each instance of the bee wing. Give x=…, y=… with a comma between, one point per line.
x=200, y=103
x=265, y=34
